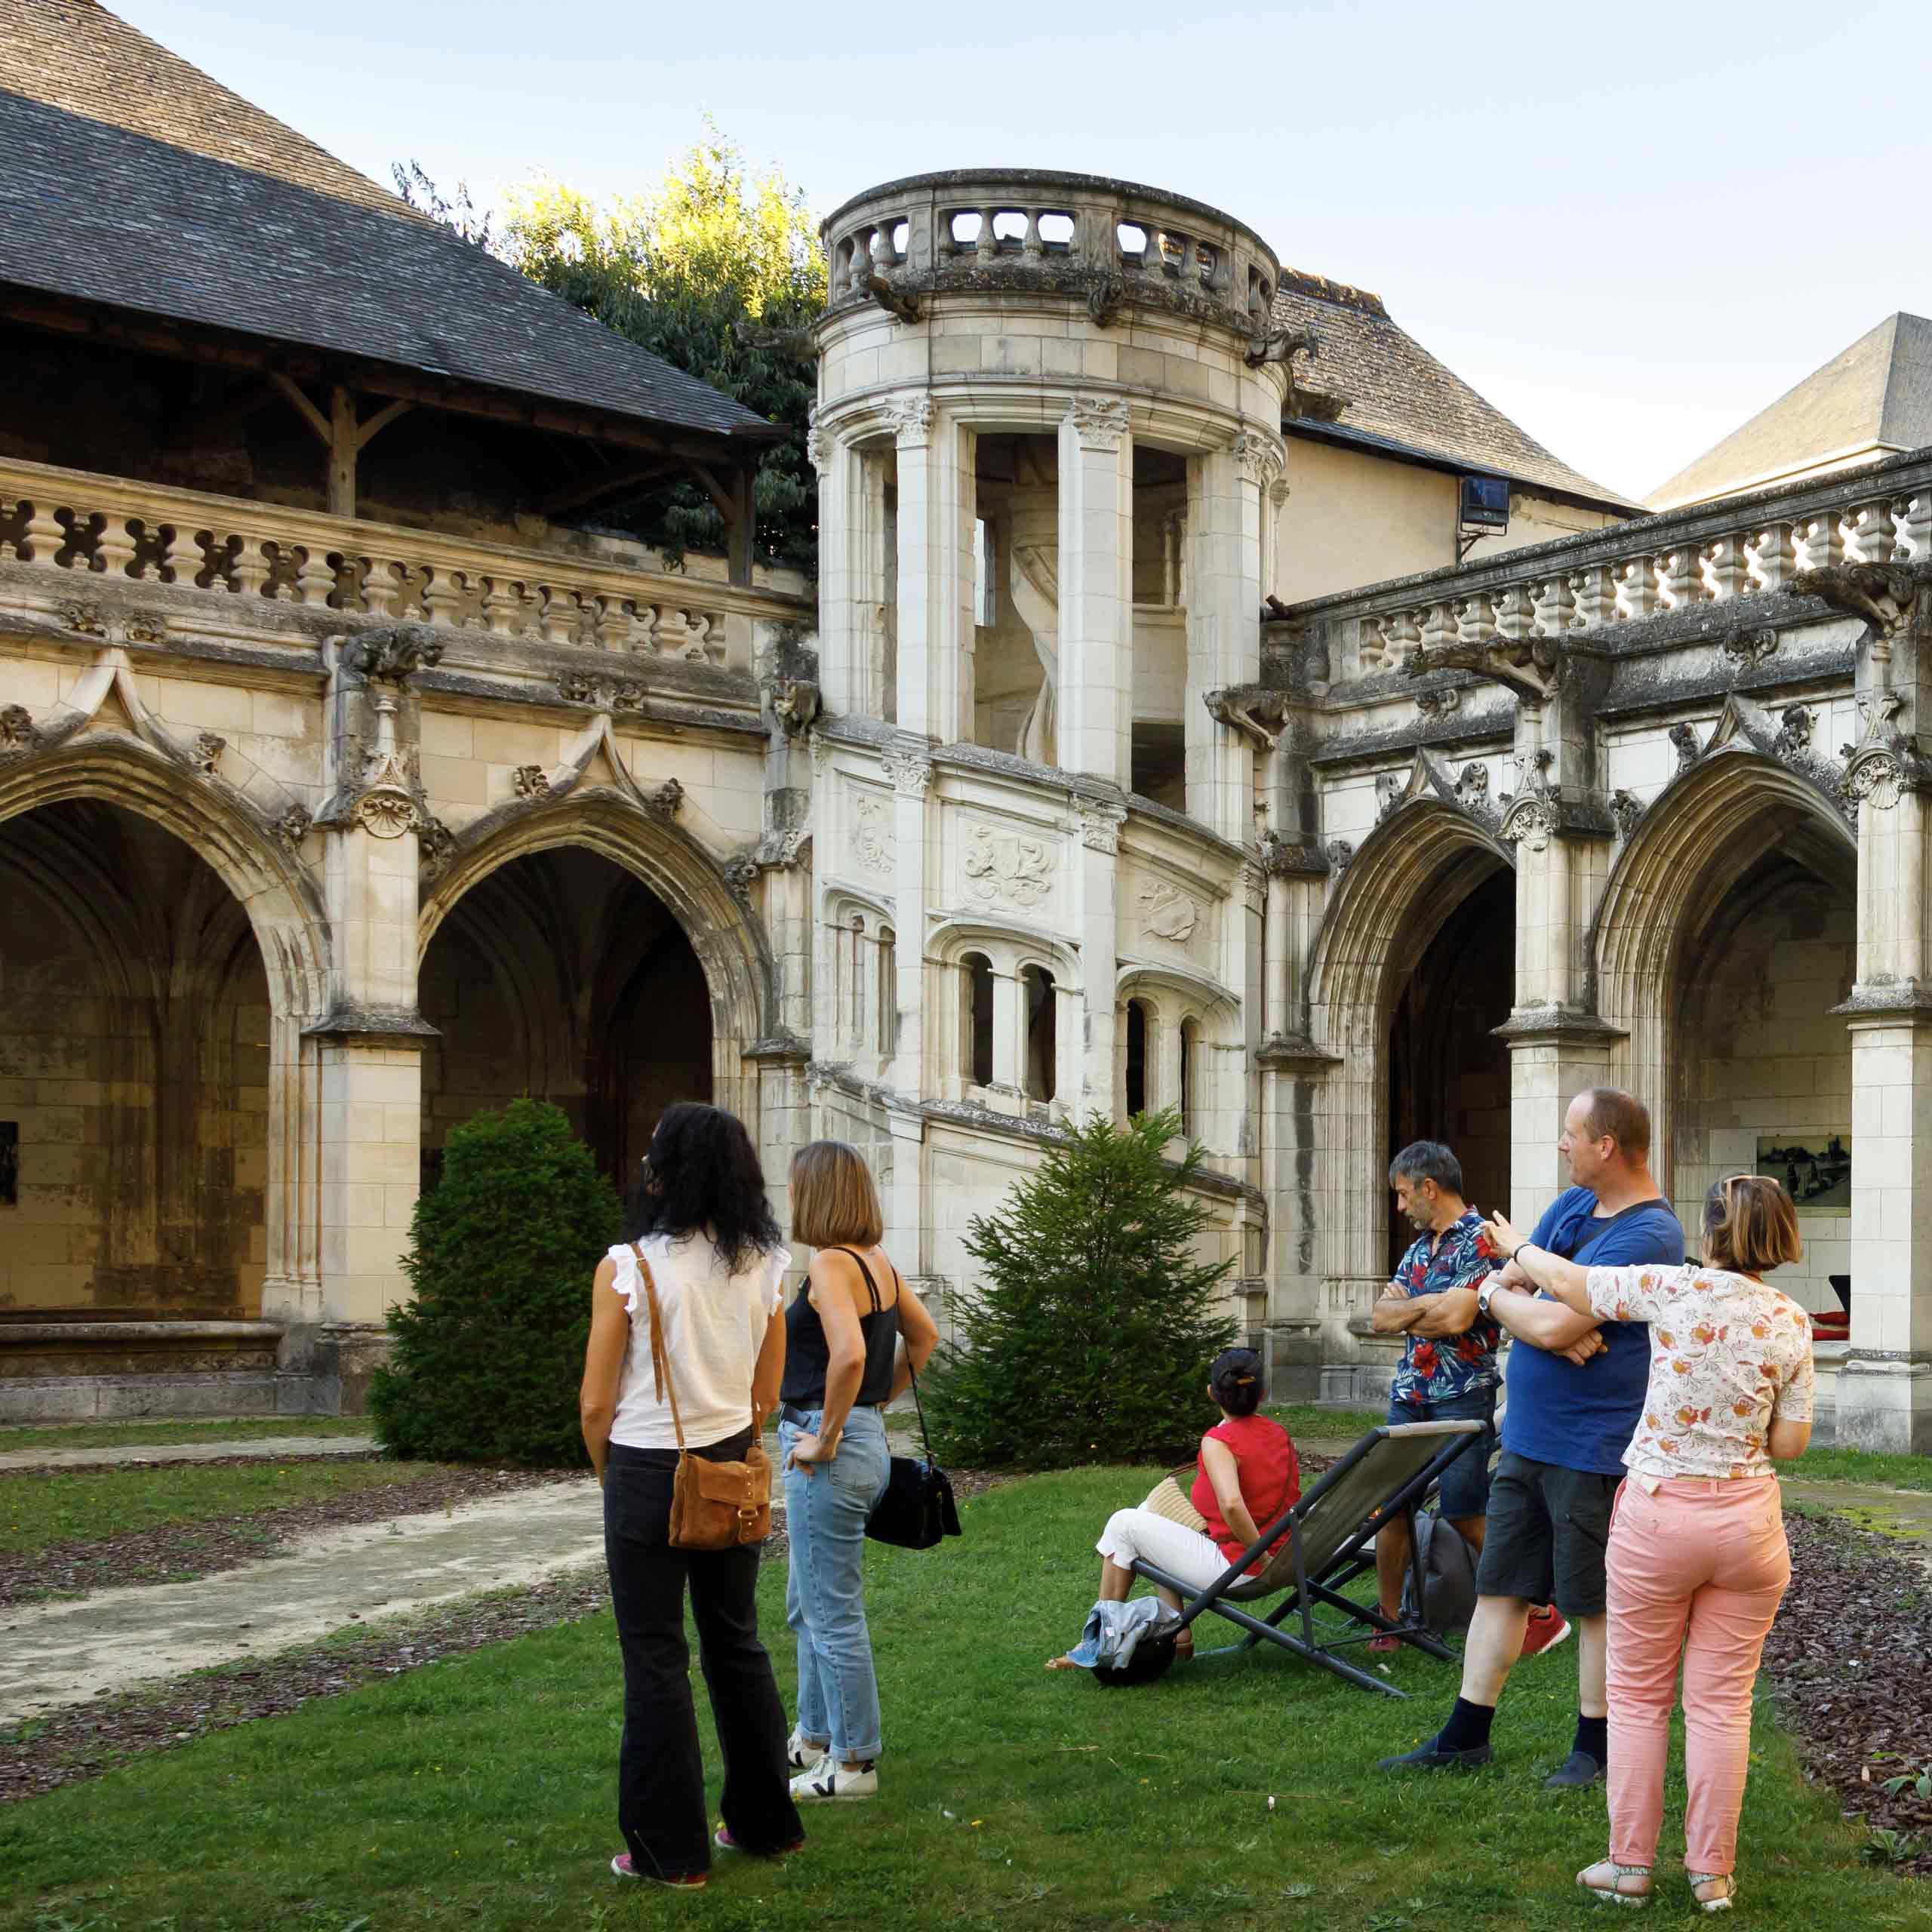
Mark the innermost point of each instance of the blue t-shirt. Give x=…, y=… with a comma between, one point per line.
x=1583, y=1418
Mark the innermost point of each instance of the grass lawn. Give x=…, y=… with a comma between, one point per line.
x=1309, y=1420
x=38, y=1510
x=478, y=1793
x=117, y=1434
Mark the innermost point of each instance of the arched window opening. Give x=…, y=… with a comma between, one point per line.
x=855, y=986
x=1190, y=1076
x=1137, y=1058
x=888, y=992
x=976, y=1019
x=1041, y=1037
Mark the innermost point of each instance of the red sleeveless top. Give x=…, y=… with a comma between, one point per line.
x=1270, y=1479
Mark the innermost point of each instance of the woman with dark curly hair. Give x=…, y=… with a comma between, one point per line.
x=701, y=1222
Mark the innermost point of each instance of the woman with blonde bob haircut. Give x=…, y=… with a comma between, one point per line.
x=1698, y=1561
x=842, y=1366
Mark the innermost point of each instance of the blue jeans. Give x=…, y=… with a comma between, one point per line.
x=825, y=1524
x=1464, y=1491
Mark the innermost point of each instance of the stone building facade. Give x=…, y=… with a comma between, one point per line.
x=328, y=819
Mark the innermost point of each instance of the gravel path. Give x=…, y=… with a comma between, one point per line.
x=253, y=1448
x=204, y=1546
x=63, y=1653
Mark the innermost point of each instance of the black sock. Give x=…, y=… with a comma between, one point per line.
x=1593, y=1738
x=1468, y=1728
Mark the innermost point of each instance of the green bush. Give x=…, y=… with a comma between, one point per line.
x=1090, y=1338
x=487, y=1357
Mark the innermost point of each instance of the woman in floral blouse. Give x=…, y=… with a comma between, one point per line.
x=1698, y=1561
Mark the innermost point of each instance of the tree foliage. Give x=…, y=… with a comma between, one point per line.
x=1095, y=1324
x=487, y=1357
x=472, y=224
x=677, y=269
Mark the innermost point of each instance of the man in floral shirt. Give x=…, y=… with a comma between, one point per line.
x=1448, y=1378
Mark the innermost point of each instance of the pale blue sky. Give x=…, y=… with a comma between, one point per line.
x=1630, y=227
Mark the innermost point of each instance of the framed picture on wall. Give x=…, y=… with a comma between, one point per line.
x=1816, y=1169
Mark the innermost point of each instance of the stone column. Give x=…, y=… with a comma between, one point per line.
x=368, y=1042
x=1096, y=692
x=1552, y=1056
x=1009, y=1035
x=935, y=574
x=910, y=772
x=1557, y=1045
x=1225, y=489
x=1095, y=915
x=841, y=545
x=1884, y=1389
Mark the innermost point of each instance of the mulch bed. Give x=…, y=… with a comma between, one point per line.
x=1850, y=1659
x=85, y=1740
x=177, y=1552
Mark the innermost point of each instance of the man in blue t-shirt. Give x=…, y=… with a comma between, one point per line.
x=1574, y=1394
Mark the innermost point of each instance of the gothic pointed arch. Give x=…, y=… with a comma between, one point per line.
x=1397, y=889
x=1422, y=863
x=1725, y=817
x=726, y=940
x=198, y=946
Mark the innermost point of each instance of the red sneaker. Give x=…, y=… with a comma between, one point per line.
x=623, y=1866
x=1548, y=1628
x=724, y=1842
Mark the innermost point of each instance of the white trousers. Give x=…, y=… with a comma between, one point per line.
x=1195, y=1559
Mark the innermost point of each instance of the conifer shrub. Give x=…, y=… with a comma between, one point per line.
x=487, y=1358
x=1094, y=1322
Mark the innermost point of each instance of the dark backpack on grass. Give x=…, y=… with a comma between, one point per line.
x=1449, y=1579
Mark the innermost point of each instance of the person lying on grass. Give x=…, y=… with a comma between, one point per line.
x=1245, y=1475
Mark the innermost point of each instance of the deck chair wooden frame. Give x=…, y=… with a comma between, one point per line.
x=1386, y=1475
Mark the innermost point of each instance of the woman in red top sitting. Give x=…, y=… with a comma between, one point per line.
x=1245, y=1476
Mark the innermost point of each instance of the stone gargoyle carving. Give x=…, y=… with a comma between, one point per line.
x=1279, y=345
x=1258, y=711
x=1883, y=595
x=392, y=654
x=1530, y=667
x=896, y=302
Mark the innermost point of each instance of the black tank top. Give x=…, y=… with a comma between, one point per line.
x=806, y=1357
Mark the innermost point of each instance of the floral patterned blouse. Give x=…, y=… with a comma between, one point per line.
x=1729, y=1355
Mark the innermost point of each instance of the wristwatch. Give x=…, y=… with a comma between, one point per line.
x=1485, y=1295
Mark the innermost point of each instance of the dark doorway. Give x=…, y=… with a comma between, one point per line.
x=561, y=977
x=1448, y=1073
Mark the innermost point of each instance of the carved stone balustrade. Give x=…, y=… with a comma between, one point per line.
x=1108, y=241
x=105, y=530
x=1732, y=554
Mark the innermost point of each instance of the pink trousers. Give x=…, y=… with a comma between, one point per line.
x=1696, y=1569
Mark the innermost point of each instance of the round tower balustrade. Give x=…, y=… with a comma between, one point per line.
x=1110, y=243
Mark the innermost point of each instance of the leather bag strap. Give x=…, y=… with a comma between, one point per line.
x=660, y=1362
x=899, y=1312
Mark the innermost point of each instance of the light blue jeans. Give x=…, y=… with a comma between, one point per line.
x=825, y=1603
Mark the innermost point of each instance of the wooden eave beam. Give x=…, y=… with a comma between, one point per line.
x=582, y=494
x=198, y=343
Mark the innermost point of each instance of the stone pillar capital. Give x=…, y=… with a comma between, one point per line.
x=1099, y=423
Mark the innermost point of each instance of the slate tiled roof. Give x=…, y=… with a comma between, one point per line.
x=1398, y=398
x=1872, y=400
x=134, y=181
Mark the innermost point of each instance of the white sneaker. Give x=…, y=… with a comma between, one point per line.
x=801, y=1756
x=831, y=1779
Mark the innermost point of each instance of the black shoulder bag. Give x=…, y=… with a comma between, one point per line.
x=917, y=1509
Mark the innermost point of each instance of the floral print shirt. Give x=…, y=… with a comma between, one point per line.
x=1729, y=1355
x=1439, y=1370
